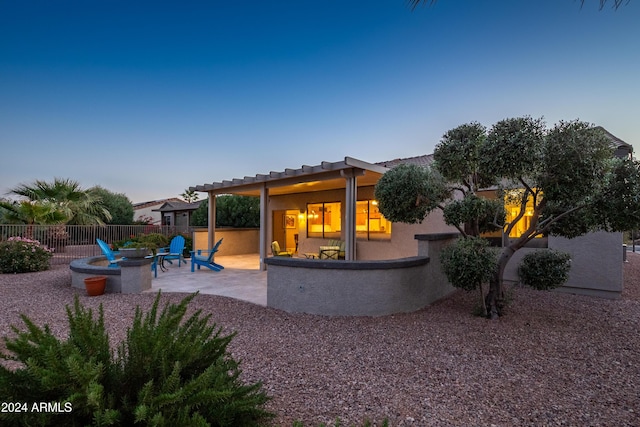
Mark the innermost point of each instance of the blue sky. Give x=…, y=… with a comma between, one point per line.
x=149, y=98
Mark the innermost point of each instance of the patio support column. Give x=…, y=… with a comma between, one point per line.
x=264, y=205
x=351, y=195
x=211, y=221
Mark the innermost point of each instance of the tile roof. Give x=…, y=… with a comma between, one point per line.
x=173, y=206
x=424, y=160
x=143, y=205
x=622, y=148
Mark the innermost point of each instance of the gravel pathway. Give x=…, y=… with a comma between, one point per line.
x=553, y=360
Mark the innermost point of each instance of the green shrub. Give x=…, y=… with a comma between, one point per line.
x=156, y=239
x=545, y=269
x=166, y=372
x=468, y=262
x=22, y=255
x=151, y=241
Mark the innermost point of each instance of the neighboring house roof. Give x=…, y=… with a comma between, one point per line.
x=180, y=206
x=143, y=205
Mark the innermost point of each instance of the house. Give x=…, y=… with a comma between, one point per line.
x=148, y=211
x=177, y=213
x=305, y=208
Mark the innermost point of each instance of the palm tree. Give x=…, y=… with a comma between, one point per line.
x=189, y=196
x=26, y=212
x=78, y=206
x=30, y=213
x=603, y=3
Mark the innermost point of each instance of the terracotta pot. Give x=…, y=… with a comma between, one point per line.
x=95, y=285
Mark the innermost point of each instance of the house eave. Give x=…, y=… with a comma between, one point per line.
x=305, y=178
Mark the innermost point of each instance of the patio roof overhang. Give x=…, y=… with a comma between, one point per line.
x=325, y=176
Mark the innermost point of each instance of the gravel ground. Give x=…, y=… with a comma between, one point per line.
x=553, y=360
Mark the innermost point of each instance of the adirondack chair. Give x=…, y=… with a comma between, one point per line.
x=198, y=259
x=174, y=251
x=113, y=261
x=275, y=249
x=107, y=252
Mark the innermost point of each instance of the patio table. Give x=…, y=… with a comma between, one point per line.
x=160, y=260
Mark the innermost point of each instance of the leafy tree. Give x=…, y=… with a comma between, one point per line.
x=118, y=205
x=30, y=213
x=65, y=196
x=3, y=211
x=231, y=211
x=567, y=173
x=200, y=217
x=189, y=196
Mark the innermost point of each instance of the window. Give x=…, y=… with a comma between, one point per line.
x=370, y=223
x=324, y=220
x=512, y=206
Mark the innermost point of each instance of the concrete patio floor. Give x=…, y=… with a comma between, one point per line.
x=240, y=279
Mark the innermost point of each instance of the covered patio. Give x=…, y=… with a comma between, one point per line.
x=346, y=176
x=391, y=273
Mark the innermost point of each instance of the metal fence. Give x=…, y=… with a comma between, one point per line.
x=79, y=241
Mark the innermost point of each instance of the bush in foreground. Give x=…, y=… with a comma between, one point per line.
x=166, y=372
x=22, y=255
x=546, y=269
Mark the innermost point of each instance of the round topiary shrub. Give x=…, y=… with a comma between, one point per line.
x=468, y=262
x=545, y=269
x=22, y=255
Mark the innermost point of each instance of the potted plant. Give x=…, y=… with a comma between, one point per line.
x=137, y=249
x=95, y=285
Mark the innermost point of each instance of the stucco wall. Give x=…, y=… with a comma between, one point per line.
x=365, y=289
x=237, y=241
x=148, y=212
x=596, y=264
x=358, y=288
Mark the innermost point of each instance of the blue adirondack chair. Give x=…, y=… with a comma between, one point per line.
x=111, y=255
x=113, y=261
x=174, y=251
x=206, y=261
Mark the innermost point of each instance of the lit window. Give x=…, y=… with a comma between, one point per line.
x=512, y=199
x=370, y=223
x=512, y=206
x=324, y=220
